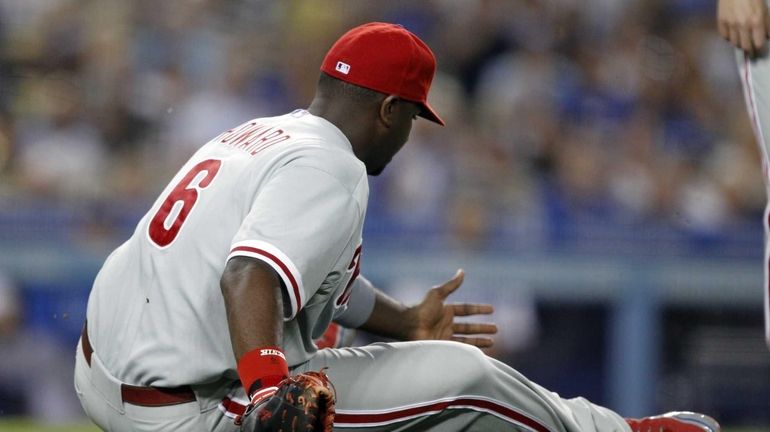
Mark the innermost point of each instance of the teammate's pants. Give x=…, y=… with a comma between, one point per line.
x=755, y=76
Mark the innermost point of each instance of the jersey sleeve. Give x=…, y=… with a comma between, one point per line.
x=300, y=223
x=360, y=305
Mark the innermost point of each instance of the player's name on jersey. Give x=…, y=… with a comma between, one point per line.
x=252, y=137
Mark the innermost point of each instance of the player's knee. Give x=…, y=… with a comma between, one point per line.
x=469, y=364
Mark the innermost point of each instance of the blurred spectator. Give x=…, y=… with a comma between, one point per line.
x=60, y=152
x=35, y=371
x=207, y=111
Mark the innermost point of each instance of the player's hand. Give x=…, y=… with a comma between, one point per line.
x=744, y=23
x=299, y=403
x=434, y=319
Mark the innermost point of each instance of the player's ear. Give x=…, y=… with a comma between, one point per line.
x=388, y=108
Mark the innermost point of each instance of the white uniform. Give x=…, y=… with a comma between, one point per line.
x=286, y=190
x=289, y=191
x=755, y=76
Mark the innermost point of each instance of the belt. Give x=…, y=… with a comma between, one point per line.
x=143, y=396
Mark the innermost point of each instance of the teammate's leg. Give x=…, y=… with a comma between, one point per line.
x=755, y=76
x=439, y=385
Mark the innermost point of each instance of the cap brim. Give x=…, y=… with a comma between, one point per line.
x=429, y=113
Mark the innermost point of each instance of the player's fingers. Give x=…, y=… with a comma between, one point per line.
x=451, y=285
x=735, y=37
x=466, y=309
x=724, y=30
x=474, y=328
x=767, y=25
x=758, y=36
x=481, y=342
x=747, y=44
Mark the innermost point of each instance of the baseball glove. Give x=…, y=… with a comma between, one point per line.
x=303, y=402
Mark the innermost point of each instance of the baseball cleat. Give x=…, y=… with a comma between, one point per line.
x=675, y=421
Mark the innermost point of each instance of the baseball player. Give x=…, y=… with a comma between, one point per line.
x=746, y=25
x=254, y=249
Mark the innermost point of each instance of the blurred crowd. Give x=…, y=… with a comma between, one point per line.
x=565, y=118
x=35, y=369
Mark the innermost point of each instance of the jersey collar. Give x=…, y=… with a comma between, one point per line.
x=342, y=142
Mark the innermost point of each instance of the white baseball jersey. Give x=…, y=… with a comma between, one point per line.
x=286, y=190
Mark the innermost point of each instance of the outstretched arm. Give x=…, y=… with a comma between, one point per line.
x=432, y=318
x=744, y=23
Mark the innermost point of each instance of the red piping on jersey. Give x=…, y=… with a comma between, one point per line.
x=289, y=275
x=355, y=265
x=342, y=418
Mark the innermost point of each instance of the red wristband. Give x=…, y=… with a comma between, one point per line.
x=262, y=367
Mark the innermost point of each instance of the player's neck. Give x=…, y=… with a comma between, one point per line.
x=349, y=121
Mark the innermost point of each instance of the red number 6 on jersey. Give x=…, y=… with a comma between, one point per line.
x=163, y=230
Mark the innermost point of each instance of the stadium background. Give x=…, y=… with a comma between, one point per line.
x=598, y=179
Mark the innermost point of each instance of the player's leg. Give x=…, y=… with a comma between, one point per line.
x=755, y=76
x=446, y=386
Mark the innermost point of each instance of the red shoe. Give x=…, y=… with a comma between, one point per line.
x=675, y=421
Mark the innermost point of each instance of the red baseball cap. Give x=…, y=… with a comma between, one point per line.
x=386, y=58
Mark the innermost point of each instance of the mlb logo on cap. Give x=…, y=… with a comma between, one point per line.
x=342, y=67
